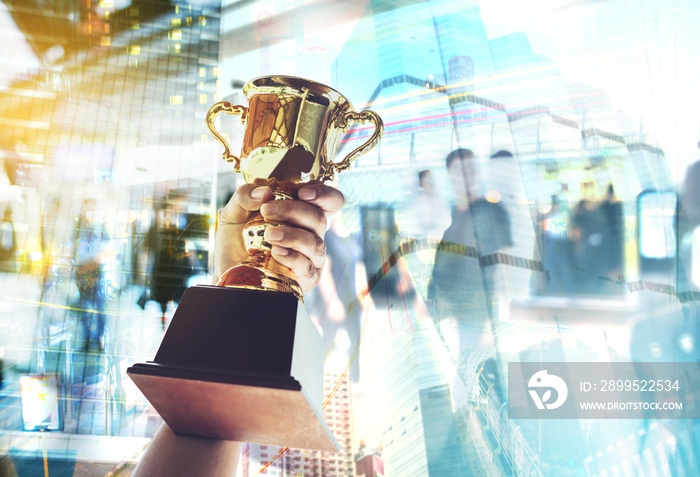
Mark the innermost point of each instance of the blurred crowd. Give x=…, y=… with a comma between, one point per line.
x=455, y=251
x=87, y=272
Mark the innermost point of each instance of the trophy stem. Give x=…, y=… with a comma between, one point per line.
x=261, y=272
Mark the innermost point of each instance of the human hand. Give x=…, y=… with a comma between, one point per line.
x=299, y=246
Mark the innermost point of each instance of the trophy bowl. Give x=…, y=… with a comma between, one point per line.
x=242, y=360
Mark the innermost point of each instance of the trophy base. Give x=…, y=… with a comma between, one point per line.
x=242, y=365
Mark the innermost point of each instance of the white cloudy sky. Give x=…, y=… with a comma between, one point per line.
x=643, y=53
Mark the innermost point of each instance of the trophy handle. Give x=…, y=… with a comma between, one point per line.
x=361, y=117
x=213, y=112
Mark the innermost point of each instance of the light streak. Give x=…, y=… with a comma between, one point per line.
x=459, y=121
x=403, y=298
x=269, y=463
x=62, y=307
x=482, y=109
x=388, y=311
x=477, y=92
x=386, y=266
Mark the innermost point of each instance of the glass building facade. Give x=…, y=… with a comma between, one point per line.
x=571, y=237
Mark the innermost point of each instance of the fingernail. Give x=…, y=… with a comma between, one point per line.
x=307, y=193
x=269, y=208
x=281, y=251
x=274, y=234
x=258, y=192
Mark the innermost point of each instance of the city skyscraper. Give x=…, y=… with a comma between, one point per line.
x=260, y=459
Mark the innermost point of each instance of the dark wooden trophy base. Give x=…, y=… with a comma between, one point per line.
x=240, y=365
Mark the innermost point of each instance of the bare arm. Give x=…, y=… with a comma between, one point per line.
x=169, y=454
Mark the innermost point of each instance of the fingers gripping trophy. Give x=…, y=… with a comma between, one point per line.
x=242, y=360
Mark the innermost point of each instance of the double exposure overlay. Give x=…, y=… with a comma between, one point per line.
x=534, y=199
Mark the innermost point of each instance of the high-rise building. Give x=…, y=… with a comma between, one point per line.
x=420, y=433
x=260, y=459
x=434, y=103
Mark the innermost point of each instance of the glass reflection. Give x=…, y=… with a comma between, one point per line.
x=569, y=234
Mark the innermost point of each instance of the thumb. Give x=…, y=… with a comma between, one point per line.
x=245, y=200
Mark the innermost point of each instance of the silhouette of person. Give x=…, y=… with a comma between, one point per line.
x=333, y=303
x=8, y=244
x=428, y=213
x=590, y=226
x=91, y=248
x=556, y=248
x=463, y=284
x=611, y=208
x=689, y=271
x=690, y=194
x=173, y=261
x=426, y=217
x=462, y=287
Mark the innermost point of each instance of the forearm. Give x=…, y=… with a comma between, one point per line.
x=170, y=454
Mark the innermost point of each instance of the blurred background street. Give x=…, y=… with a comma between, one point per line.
x=533, y=199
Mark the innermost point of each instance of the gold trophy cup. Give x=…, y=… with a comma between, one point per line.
x=242, y=360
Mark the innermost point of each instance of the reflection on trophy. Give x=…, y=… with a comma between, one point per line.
x=242, y=360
